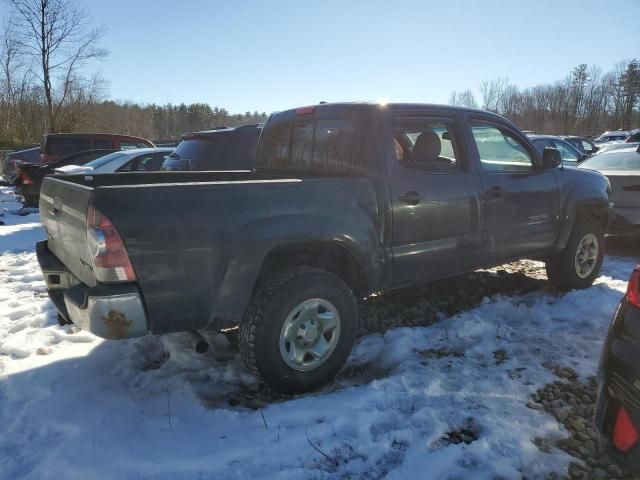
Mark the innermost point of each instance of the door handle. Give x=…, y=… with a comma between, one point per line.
x=410, y=198
x=495, y=192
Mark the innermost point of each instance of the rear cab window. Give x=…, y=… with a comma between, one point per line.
x=307, y=144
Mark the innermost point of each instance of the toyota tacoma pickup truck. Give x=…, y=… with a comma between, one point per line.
x=346, y=200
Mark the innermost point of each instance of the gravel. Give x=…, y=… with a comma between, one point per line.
x=425, y=305
x=572, y=402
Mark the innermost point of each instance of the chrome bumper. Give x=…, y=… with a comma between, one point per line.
x=112, y=317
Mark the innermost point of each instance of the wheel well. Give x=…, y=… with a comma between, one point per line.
x=328, y=256
x=599, y=213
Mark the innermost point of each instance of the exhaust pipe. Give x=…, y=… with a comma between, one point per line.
x=198, y=341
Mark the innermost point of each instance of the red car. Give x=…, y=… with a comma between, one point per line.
x=58, y=145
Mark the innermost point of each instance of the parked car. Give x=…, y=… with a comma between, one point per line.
x=584, y=145
x=57, y=145
x=618, y=406
x=609, y=147
x=612, y=136
x=633, y=140
x=622, y=168
x=9, y=171
x=346, y=199
x=219, y=149
x=30, y=176
x=570, y=155
x=134, y=160
x=634, y=136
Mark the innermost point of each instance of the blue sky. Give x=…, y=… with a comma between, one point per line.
x=270, y=55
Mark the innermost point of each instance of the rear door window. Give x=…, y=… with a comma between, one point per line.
x=426, y=144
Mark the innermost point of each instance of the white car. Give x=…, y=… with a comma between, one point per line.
x=612, y=136
x=133, y=160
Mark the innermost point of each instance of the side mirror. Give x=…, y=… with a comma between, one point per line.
x=551, y=158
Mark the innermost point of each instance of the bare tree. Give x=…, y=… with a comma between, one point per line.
x=466, y=99
x=56, y=35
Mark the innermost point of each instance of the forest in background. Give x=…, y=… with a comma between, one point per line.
x=587, y=101
x=46, y=47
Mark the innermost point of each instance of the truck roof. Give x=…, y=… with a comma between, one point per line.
x=343, y=109
x=350, y=106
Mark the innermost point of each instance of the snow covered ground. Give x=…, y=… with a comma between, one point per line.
x=73, y=406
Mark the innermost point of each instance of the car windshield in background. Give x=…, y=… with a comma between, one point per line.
x=614, y=161
x=98, y=162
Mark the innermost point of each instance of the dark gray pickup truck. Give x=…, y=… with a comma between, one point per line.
x=346, y=200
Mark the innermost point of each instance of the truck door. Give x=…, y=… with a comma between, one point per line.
x=520, y=198
x=435, y=199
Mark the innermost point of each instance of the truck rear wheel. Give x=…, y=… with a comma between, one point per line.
x=299, y=329
x=578, y=265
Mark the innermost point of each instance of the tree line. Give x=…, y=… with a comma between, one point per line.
x=45, y=46
x=587, y=101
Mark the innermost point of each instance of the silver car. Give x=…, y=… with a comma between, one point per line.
x=622, y=168
x=132, y=160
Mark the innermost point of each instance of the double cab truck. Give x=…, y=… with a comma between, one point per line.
x=346, y=200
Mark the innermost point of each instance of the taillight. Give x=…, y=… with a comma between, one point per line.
x=25, y=179
x=109, y=256
x=625, y=435
x=633, y=289
x=305, y=110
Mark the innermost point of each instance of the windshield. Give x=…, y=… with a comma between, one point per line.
x=615, y=160
x=98, y=162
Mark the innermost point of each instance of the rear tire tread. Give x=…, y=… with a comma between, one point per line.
x=255, y=313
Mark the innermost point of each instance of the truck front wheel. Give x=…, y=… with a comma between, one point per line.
x=299, y=329
x=578, y=265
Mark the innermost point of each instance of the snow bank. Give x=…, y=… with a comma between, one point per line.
x=73, y=406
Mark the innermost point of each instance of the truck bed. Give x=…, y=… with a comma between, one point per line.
x=191, y=235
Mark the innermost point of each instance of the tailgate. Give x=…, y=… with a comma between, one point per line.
x=63, y=211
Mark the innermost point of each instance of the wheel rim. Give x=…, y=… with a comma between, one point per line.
x=309, y=334
x=586, y=255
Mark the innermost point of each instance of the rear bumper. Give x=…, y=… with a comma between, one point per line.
x=113, y=312
x=110, y=315
x=619, y=384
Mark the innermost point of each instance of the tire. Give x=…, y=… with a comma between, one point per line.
x=563, y=270
x=284, y=306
